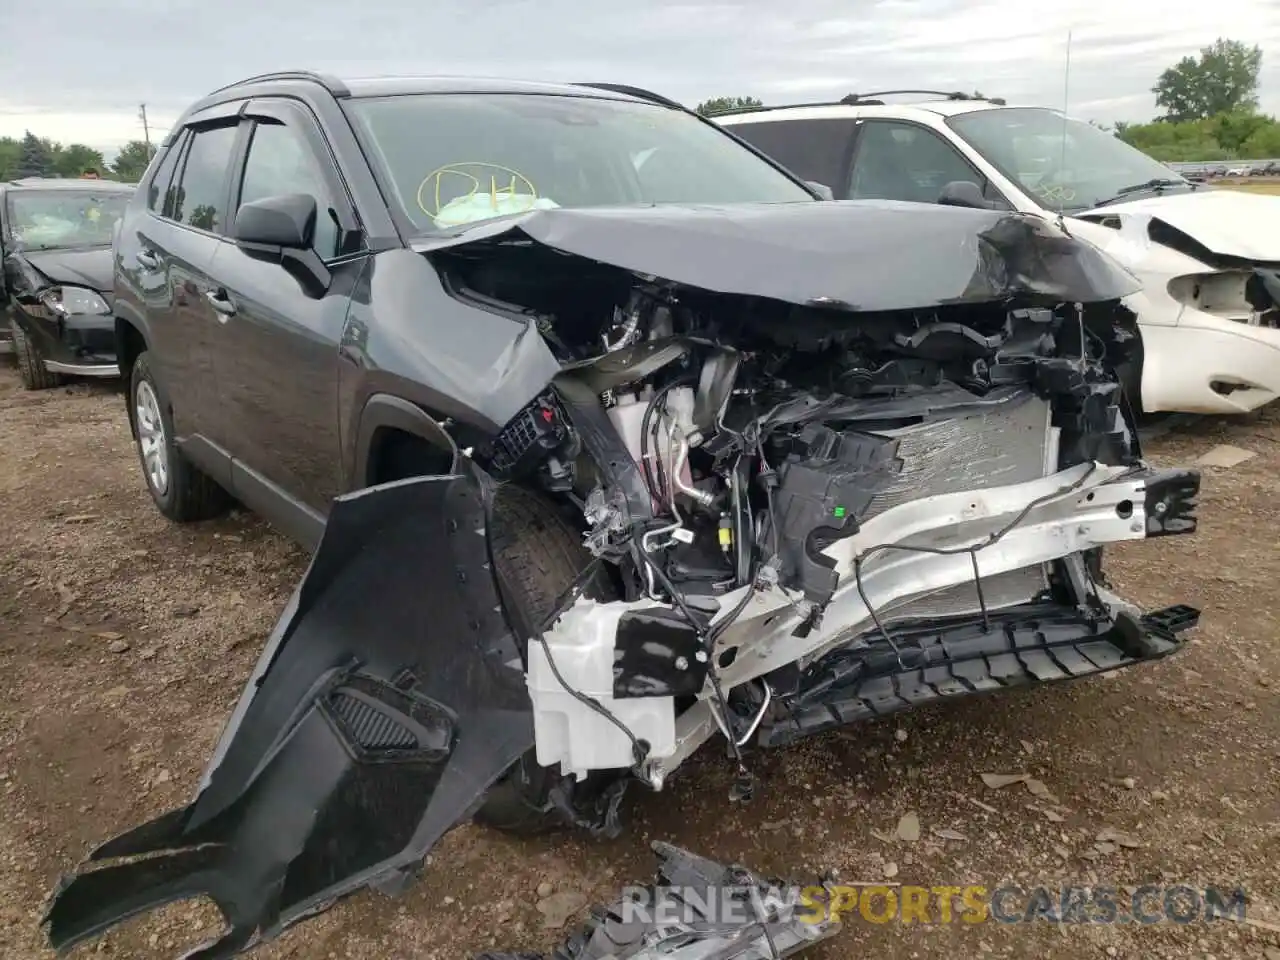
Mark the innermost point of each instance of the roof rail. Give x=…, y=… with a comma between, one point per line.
x=638, y=92
x=866, y=99
x=332, y=84
x=945, y=94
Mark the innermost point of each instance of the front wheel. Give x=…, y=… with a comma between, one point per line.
x=180, y=490
x=539, y=555
x=35, y=375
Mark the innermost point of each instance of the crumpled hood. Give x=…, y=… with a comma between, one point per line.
x=1230, y=223
x=860, y=255
x=89, y=267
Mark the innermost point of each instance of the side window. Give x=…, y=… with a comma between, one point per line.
x=200, y=199
x=158, y=188
x=281, y=161
x=903, y=161
x=811, y=149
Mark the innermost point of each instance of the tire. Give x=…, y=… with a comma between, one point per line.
x=35, y=375
x=183, y=493
x=539, y=555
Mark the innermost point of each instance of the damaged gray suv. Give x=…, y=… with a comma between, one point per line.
x=610, y=438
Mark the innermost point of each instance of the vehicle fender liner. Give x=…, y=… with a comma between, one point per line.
x=389, y=699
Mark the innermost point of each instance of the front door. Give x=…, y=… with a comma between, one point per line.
x=277, y=345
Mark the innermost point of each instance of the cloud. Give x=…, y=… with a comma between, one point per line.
x=166, y=53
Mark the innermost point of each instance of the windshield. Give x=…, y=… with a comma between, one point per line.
x=1063, y=164
x=48, y=219
x=452, y=159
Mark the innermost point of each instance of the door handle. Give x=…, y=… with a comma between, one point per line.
x=219, y=300
x=147, y=260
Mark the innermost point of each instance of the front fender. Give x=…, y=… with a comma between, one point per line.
x=390, y=697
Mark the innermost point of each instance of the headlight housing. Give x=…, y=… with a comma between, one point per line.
x=54, y=303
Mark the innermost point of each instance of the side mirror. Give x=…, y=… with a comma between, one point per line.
x=821, y=189
x=287, y=221
x=963, y=193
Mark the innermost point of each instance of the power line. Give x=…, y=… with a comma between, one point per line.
x=146, y=129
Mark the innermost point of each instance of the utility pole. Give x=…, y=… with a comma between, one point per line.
x=146, y=130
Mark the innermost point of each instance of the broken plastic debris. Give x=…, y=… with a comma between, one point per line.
x=708, y=909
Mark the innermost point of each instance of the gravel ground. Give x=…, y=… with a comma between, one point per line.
x=124, y=641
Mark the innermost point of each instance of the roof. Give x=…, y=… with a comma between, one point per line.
x=69, y=183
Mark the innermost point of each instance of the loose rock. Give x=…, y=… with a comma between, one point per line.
x=997, y=781
x=559, y=907
x=909, y=827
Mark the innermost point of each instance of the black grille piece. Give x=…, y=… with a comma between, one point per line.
x=369, y=727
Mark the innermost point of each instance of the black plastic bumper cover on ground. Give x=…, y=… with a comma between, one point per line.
x=698, y=910
x=1019, y=647
x=383, y=708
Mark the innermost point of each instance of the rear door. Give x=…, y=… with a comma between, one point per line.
x=277, y=341
x=818, y=150
x=166, y=257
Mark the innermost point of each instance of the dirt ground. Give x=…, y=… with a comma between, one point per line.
x=124, y=641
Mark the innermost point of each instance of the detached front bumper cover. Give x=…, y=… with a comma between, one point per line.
x=388, y=700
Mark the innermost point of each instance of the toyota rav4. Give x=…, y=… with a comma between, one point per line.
x=611, y=437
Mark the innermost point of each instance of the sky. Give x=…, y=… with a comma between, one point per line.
x=91, y=63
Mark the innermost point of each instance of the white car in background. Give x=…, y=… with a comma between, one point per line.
x=1208, y=258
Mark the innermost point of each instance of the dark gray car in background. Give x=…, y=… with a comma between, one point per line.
x=55, y=289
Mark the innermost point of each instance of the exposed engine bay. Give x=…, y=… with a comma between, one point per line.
x=728, y=458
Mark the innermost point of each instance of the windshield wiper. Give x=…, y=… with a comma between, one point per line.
x=1156, y=184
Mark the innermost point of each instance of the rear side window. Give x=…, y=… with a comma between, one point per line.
x=905, y=161
x=201, y=196
x=811, y=149
x=158, y=188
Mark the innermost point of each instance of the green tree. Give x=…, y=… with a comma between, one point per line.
x=716, y=105
x=131, y=162
x=1223, y=80
x=75, y=158
x=10, y=153
x=35, y=158
x=1229, y=136
x=1264, y=144
x=1233, y=130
